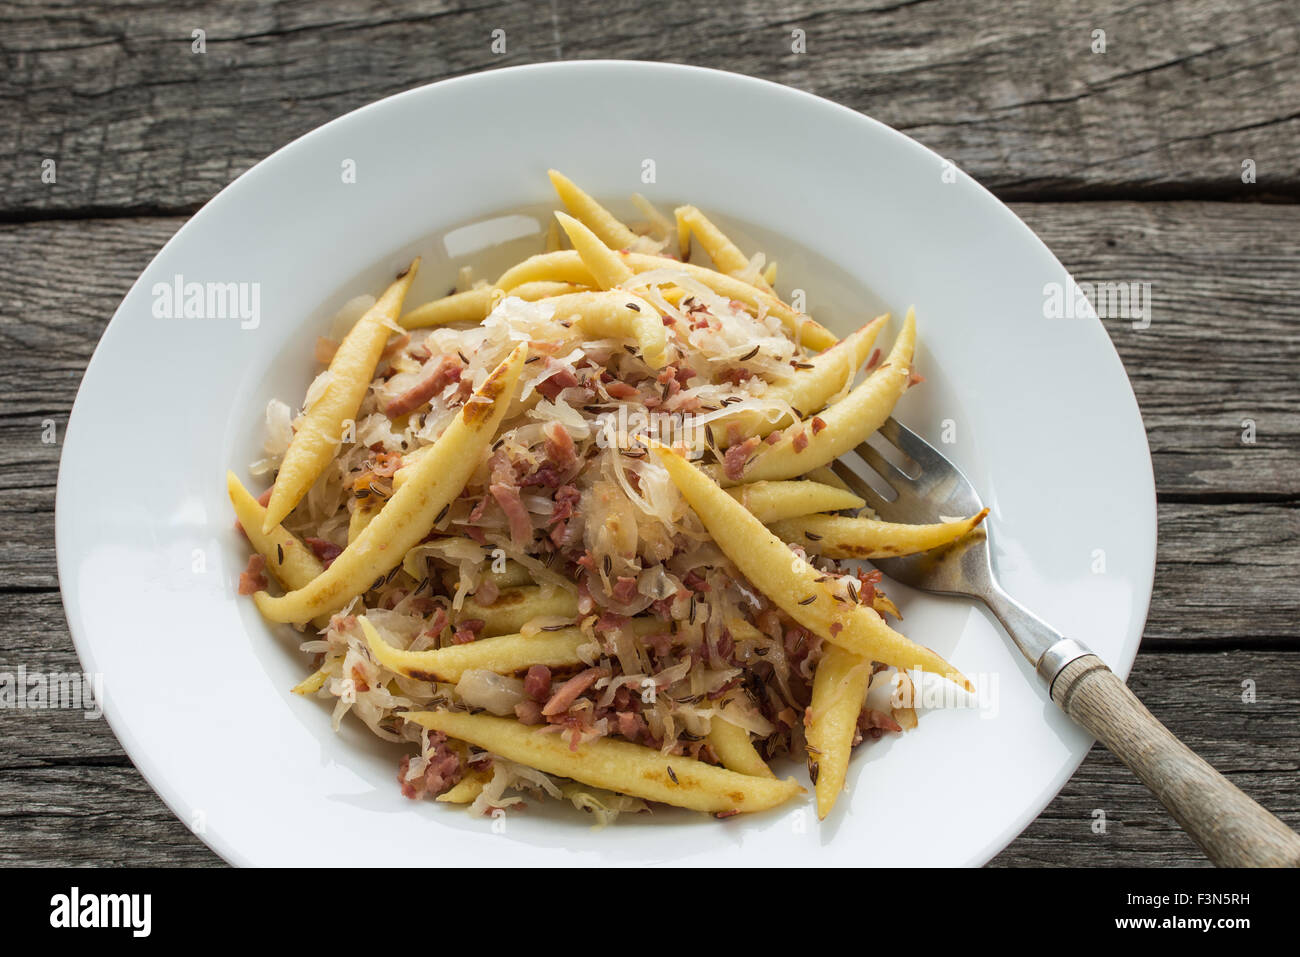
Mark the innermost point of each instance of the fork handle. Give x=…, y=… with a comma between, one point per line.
x=1231, y=828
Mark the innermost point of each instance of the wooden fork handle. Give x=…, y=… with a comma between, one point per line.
x=1232, y=829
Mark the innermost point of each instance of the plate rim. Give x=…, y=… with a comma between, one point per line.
x=152, y=769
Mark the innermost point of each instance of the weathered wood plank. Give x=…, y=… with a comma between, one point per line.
x=1199, y=698
x=1224, y=573
x=1183, y=94
x=69, y=795
x=1223, y=346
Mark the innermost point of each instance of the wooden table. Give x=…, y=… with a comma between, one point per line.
x=1128, y=162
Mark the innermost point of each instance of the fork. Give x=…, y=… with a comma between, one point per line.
x=1231, y=828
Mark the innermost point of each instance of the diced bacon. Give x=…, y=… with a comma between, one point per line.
x=545, y=477
x=630, y=725
x=487, y=592
x=621, y=390
x=560, y=449
x=800, y=441
x=570, y=690
x=818, y=423
x=624, y=589
x=733, y=462
x=537, y=683
x=660, y=643
x=467, y=631
x=695, y=582
x=265, y=498
x=521, y=523
x=385, y=464
x=566, y=499
x=442, y=772
x=529, y=712
x=253, y=577
x=875, y=358
x=557, y=382
x=438, y=623
x=737, y=376
x=445, y=370
x=323, y=549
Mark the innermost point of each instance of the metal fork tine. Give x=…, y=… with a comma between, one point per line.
x=925, y=455
x=857, y=484
x=889, y=511
x=887, y=469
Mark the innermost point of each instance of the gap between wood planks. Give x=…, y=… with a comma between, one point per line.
x=1027, y=194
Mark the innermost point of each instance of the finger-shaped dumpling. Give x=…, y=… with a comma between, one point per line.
x=825, y=437
x=350, y=371
x=836, y=536
x=616, y=765
x=839, y=688
x=438, y=478
x=821, y=603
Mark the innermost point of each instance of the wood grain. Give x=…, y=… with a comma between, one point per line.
x=144, y=131
x=1106, y=816
x=1012, y=92
x=68, y=793
x=1232, y=829
x=1222, y=346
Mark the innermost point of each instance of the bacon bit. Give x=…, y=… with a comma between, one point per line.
x=736, y=376
x=521, y=523
x=621, y=390
x=385, y=464
x=915, y=379
x=537, y=683
x=487, y=592
x=323, y=549
x=359, y=679
x=265, y=498
x=772, y=438
x=818, y=423
x=800, y=441
x=529, y=712
x=875, y=357
x=252, y=578
x=867, y=593
x=556, y=382
x=624, y=590
x=630, y=724
x=439, y=622
x=467, y=631
x=560, y=449
x=442, y=772
x=569, y=691
x=878, y=721
x=695, y=582
x=444, y=371
x=737, y=456
x=836, y=628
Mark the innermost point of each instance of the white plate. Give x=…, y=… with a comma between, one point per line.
x=198, y=688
